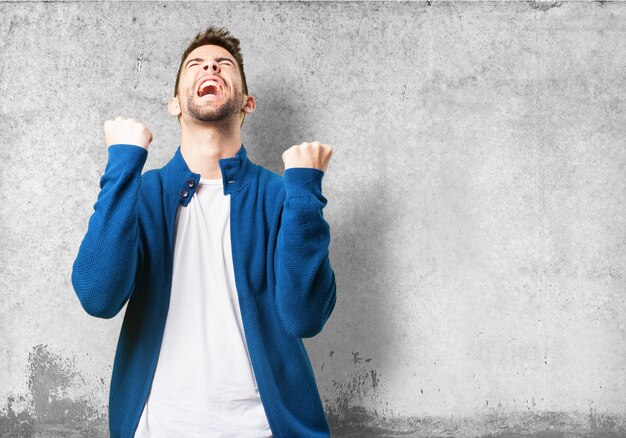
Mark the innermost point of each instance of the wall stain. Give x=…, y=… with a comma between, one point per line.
x=55, y=404
x=357, y=359
x=138, y=70
x=342, y=410
x=363, y=423
x=544, y=5
x=51, y=408
x=348, y=418
x=16, y=424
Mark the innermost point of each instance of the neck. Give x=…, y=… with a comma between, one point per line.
x=203, y=144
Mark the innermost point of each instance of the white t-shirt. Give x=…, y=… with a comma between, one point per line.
x=204, y=384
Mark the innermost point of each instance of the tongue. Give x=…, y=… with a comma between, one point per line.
x=211, y=89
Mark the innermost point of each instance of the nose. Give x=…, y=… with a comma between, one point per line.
x=211, y=65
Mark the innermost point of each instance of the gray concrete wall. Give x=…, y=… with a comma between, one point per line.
x=476, y=201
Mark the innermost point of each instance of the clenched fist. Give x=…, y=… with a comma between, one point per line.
x=315, y=155
x=126, y=131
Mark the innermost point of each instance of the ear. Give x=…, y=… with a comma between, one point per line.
x=173, y=106
x=249, y=104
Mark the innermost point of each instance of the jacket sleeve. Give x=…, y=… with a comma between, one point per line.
x=305, y=281
x=108, y=260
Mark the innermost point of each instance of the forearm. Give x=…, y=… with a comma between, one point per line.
x=105, y=269
x=305, y=281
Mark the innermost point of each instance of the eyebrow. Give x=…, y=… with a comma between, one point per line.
x=202, y=60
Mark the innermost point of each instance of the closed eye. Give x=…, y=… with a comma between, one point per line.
x=193, y=62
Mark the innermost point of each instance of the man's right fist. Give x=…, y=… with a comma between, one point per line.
x=126, y=131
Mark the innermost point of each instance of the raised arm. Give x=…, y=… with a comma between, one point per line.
x=110, y=255
x=305, y=280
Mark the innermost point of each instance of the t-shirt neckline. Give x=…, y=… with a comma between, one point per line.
x=211, y=182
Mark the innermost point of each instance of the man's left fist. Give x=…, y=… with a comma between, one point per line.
x=315, y=155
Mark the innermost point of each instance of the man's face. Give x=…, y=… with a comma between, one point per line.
x=210, y=101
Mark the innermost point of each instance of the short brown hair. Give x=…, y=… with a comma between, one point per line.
x=217, y=36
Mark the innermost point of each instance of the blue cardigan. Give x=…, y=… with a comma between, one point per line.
x=285, y=282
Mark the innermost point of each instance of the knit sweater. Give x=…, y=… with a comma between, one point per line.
x=285, y=282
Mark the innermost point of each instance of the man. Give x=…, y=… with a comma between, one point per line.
x=223, y=263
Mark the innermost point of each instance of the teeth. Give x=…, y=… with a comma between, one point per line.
x=207, y=83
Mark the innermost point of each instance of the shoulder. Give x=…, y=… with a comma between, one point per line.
x=271, y=190
x=150, y=176
x=151, y=188
x=270, y=181
x=150, y=180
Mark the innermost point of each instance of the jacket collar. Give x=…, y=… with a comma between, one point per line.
x=180, y=181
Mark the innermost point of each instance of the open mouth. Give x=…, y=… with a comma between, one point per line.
x=209, y=87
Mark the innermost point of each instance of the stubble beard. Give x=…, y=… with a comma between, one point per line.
x=210, y=112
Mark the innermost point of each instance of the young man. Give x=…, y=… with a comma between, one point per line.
x=223, y=263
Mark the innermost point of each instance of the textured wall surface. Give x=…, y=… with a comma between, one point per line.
x=477, y=201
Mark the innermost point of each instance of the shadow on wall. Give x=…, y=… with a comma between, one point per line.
x=361, y=248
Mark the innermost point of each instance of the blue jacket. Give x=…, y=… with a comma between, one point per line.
x=285, y=282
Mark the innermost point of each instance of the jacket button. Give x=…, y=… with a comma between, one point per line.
x=184, y=193
x=190, y=183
